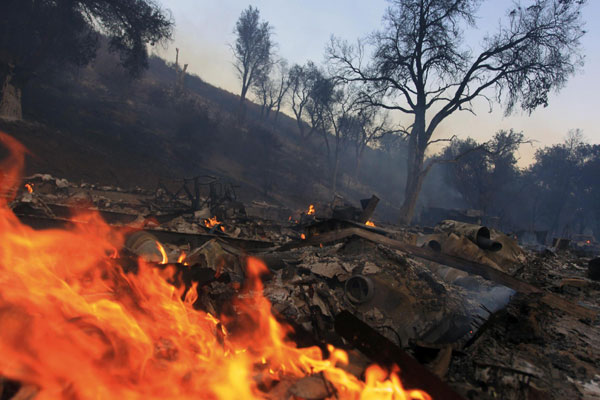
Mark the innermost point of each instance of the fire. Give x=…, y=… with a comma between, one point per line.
x=182, y=257
x=209, y=223
x=163, y=253
x=302, y=236
x=29, y=187
x=311, y=210
x=370, y=223
x=76, y=326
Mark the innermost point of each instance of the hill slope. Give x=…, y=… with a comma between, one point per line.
x=99, y=125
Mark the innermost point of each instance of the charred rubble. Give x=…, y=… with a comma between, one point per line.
x=463, y=310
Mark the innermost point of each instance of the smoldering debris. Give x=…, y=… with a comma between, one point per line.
x=467, y=305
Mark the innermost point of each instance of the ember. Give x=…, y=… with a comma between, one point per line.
x=75, y=325
x=369, y=223
x=311, y=210
x=29, y=187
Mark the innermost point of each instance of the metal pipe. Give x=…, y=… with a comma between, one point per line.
x=480, y=235
x=359, y=289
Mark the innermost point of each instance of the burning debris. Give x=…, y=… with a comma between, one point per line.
x=213, y=222
x=192, y=294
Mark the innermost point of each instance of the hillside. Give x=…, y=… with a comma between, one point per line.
x=98, y=125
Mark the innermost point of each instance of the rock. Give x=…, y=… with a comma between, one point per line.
x=370, y=268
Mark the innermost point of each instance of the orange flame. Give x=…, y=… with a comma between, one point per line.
x=311, y=210
x=302, y=236
x=76, y=326
x=11, y=168
x=370, y=223
x=182, y=257
x=29, y=187
x=163, y=253
x=114, y=253
x=209, y=223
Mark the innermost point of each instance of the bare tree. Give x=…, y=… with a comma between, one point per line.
x=337, y=102
x=322, y=99
x=480, y=172
x=252, y=49
x=364, y=127
x=283, y=85
x=180, y=74
x=264, y=91
x=420, y=67
x=301, y=82
x=272, y=88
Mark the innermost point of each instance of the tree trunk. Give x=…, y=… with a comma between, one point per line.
x=336, y=167
x=414, y=170
x=300, y=127
x=299, y=122
x=359, y=154
x=412, y=190
x=10, y=104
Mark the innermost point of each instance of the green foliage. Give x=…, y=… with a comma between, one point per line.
x=42, y=33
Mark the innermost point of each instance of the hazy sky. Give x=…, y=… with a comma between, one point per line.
x=204, y=31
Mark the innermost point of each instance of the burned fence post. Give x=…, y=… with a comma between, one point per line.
x=368, y=206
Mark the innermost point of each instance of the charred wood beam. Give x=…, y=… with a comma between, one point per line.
x=368, y=209
x=335, y=224
x=471, y=267
x=194, y=239
x=384, y=352
x=197, y=239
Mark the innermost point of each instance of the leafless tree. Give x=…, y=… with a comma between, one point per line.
x=301, y=80
x=481, y=172
x=180, y=74
x=283, y=85
x=252, y=50
x=271, y=89
x=364, y=127
x=420, y=67
x=337, y=102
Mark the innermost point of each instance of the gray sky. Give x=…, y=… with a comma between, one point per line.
x=204, y=30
